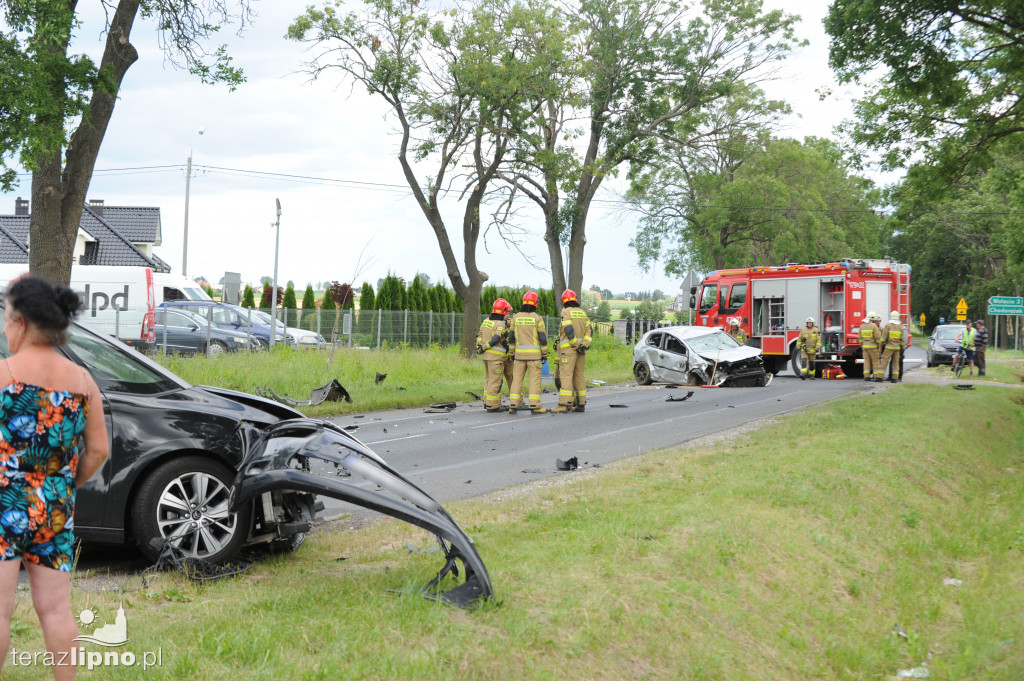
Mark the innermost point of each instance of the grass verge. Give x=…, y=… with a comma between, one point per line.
x=813, y=548
x=415, y=376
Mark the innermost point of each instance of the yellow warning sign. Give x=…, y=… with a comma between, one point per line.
x=922, y=320
x=961, y=310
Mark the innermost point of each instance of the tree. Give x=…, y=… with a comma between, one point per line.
x=289, y=305
x=763, y=202
x=603, y=312
x=248, y=297
x=309, y=305
x=947, y=77
x=55, y=107
x=640, y=71
x=456, y=83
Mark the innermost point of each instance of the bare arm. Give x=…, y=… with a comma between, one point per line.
x=97, y=444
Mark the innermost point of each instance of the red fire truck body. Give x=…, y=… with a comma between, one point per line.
x=773, y=304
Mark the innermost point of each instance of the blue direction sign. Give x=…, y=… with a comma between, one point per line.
x=1006, y=309
x=1006, y=300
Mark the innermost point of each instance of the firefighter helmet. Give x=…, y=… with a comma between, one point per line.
x=871, y=316
x=530, y=298
x=894, y=316
x=501, y=306
x=734, y=321
x=568, y=296
x=810, y=320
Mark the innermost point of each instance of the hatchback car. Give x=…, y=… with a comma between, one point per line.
x=183, y=332
x=696, y=355
x=942, y=344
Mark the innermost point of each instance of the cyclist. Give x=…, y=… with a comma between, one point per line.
x=965, y=340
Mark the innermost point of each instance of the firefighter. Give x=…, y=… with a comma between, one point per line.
x=894, y=339
x=736, y=332
x=574, y=338
x=808, y=343
x=530, y=338
x=492, y=346
x=870, y=335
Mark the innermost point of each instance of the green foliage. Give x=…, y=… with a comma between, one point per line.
x=648, y=309
x=944, y=78
x=751, y=202
x=309, y=298
x=603, y=312
x=248, y=297
x=289, y=302
x=328, y=301
x=966, y=244
x=366, y=297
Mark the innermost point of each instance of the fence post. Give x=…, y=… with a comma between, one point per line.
x=405, y=328
x=117, y=323
x=209, y=326
x=430, y=327
x=379, y=314
x=318, y=322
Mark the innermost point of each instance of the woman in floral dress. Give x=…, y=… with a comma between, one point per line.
x=53, y=438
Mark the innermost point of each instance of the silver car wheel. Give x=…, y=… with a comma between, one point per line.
x=192, y=511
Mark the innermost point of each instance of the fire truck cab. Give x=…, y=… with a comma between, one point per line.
x=772, y=304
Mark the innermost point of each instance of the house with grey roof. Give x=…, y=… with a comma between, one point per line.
x=107, y=235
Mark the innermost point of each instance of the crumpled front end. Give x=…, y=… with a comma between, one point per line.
x=736, y=367
x=279, y=457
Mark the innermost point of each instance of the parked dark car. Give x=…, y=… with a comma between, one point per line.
x=254, y=322
x=175, y=450
x=184, y=332
x=942, y=344
x=697, y=355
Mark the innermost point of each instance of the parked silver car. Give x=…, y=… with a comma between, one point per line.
x=697, y=355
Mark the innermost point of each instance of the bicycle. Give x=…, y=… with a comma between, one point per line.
x=959, y=360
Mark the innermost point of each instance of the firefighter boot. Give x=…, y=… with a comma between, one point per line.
x=580, y=408
x=538, y=410
x=494, y=410
x=561, y=409
x=513, y=410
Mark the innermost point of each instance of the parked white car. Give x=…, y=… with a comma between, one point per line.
x=290, y=335
x=697, y=355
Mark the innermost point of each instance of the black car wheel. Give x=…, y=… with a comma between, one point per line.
x=928, y=359
x=186, y=501
x=642, y=372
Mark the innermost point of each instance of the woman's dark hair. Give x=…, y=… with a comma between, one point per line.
x=49, y=308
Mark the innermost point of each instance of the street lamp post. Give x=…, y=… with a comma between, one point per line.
x=184, y=240
x=273, y=294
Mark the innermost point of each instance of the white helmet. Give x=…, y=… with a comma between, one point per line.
x=894, y=316
x=871, y=316
x=810, y=320
x=734, y=321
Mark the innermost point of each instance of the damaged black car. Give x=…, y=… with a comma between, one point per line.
x=178, y=451
x=697, y=355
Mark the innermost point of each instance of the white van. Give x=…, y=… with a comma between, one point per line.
x=168, y=287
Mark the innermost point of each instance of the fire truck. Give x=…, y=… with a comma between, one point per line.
x=772, y=304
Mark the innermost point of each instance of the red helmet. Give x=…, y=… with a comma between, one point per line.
x=501, y=306
x=569, y=295
x=530, y=298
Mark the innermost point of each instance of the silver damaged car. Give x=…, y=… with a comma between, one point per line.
x=697, y=355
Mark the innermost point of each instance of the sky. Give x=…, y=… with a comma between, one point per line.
x=346, y=212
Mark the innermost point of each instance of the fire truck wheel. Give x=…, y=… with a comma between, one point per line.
x=796, y=359
x=852, y=369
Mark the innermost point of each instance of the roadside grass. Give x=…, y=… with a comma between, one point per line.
x=415, y=376
x=1000, y=371
x=797, y=551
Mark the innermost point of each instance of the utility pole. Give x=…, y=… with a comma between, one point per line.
x=273, y=293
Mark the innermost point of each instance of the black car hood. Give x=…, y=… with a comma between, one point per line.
x=261, y=407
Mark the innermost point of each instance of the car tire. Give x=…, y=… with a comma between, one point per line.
x=215, y=349
x=796, y=360
x=693, y=379
x=928, y=361
x=642, y=373
x=188, y=497
x=767, y=380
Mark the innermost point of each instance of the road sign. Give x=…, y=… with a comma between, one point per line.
x=689, y=281
x=1006, y=309
x=1006, y=300
x=922, y=320
x=961, y=310
x=942, y=320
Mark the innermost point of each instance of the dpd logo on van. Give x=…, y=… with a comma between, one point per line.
x=98, y=300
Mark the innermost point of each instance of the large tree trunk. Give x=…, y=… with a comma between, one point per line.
x=58, y=198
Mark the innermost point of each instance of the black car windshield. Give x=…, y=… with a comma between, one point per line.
x=948, y=332
x=712, y=342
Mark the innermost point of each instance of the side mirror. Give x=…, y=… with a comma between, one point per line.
x=693, y=301
x=693, y=292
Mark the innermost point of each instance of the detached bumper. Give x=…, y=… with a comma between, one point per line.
x=277, y=459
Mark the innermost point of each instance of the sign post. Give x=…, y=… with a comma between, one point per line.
x=961, y=310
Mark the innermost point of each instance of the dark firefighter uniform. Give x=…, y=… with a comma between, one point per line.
x=809, y=342
x=892, y=336
x=531, y=340
x=870, y=336
x=574, y=338
x=492, y=346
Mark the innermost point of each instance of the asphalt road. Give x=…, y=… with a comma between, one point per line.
x=469, y=452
